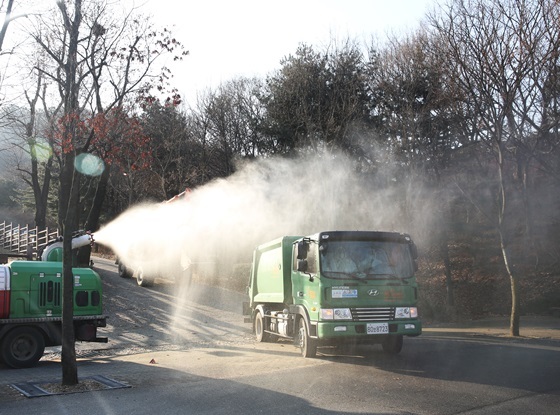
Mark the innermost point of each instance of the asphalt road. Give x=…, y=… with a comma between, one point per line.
x=196, y=356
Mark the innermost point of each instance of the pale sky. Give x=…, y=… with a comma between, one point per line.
x=230, y=38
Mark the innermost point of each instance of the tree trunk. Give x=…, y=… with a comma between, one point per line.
x=92, y=221
x=40, y=190
x=514, y=321
x=514, y=317
x=41, y=195
x=69, y=365
x=68, y=220
x=69, y=190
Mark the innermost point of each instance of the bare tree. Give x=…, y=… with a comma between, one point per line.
x=32, y=138
x=116, y=61
x=418, y=122
x=95, y=62
x=499, y=53
x=231, y=116
x=68, y=182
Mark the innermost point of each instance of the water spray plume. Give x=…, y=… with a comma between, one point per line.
x=224, y=220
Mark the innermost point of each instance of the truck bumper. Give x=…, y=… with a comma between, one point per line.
x=340, y=330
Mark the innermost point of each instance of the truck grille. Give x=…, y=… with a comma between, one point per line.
x=373, y=314
x=50, y=294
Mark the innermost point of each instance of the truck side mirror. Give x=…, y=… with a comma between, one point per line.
x=302, y=265
x=413, y=250
x=301, y=250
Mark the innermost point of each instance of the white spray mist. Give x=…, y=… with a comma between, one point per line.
x=227, y=218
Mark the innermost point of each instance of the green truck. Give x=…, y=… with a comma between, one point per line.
x=31, y=309
x=332, y=288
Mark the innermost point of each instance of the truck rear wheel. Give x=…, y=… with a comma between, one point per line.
x=260, y=334
x=393, y=344
x=123, y=271
x=142, y=280
x=307, y=345
x=22, y=347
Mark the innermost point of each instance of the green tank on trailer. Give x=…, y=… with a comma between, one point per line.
x=37, y=290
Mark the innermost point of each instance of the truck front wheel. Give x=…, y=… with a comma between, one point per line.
x=307, y=345
x=22, y=347
x=393, y=344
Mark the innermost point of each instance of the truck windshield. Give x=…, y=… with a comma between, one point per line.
x=366, y=260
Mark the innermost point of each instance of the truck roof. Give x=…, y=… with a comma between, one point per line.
x=282, y=240
x=340, y=236
x=362, y=235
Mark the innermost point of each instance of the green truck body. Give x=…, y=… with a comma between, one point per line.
x=31, y=309
x=338, y=287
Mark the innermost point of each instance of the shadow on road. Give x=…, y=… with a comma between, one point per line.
x=156, y=389
x=485, y=360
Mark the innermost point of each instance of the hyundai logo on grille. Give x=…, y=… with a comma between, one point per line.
x=373, y=293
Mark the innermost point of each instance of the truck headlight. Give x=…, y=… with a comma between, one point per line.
x=406, y=312
x=336, y=314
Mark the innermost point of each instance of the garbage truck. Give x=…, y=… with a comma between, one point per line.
x=335, y=288
x=31, y=309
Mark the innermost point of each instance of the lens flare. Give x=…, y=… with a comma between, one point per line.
x=41, y=152
x=89, y=164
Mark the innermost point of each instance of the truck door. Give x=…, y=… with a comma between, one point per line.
x=305, y=281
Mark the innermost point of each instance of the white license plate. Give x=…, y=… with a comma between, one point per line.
x=377, y=328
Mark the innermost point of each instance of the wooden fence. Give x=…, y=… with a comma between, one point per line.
x=24, y=240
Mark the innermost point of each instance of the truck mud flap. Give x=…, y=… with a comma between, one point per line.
x=88, y=333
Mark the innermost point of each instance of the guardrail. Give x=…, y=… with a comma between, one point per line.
x=24, y=240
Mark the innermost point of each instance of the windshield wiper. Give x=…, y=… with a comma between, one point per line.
x=363, y=276
x=353, y=275
x=391, y=277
